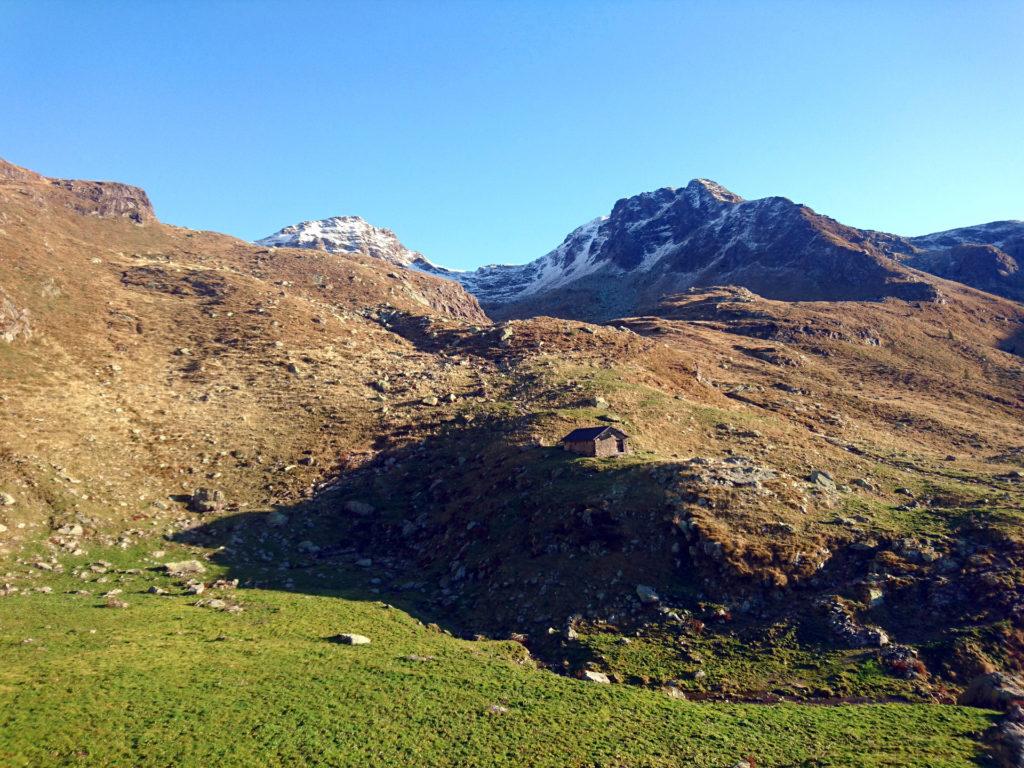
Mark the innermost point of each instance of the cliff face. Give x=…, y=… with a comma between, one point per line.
x=107, y=199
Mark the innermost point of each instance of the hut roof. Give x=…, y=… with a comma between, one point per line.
x=591, y=433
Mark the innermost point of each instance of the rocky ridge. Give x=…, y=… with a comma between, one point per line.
x=702, y=235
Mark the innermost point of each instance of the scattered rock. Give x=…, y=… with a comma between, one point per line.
x=6, y=500
x=416, y=658
x=902, y=661
x=595, y=677
x=217, y=604
x=844, y=624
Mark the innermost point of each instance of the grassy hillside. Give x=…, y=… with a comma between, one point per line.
x=824, y=498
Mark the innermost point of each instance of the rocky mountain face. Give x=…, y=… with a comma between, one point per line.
x=669, y=240
x=987, y=257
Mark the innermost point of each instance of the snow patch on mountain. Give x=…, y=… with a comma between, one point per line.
x=997, y=233
x=350, y=234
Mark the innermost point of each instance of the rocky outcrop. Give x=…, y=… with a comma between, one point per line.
x=108, y=199
x=14, y=322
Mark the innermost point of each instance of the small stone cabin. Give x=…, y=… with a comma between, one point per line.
x=597, y=441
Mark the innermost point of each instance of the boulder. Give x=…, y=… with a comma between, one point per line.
x=206, y=500
x=996, y=690
x=307, y=547
x=822, y=479
x=647, y=594
x=1009, y=744
x=348, y=638
x=212, y=602
x=184, y=568
x=595, y=677
x=276, y=519
x=360, y=508
x=6, y=500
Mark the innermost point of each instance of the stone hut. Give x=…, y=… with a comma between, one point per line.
x=597, y=441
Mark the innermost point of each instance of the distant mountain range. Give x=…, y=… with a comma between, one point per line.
x=700, y=235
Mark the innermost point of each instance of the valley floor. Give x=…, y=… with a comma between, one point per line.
x=166, y=682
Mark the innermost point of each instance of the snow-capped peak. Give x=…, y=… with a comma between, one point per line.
x=345, y=234
x=701, y=187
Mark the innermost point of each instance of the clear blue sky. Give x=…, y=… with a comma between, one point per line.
x=485, y=131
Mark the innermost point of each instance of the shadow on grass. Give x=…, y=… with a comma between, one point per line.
x=468, y=530
x=475, y=533
x=1014, y=343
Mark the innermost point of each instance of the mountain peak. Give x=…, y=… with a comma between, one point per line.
x=713, y=189
x=345, y=234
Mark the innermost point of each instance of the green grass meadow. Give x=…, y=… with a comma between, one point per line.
x=165, y=683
